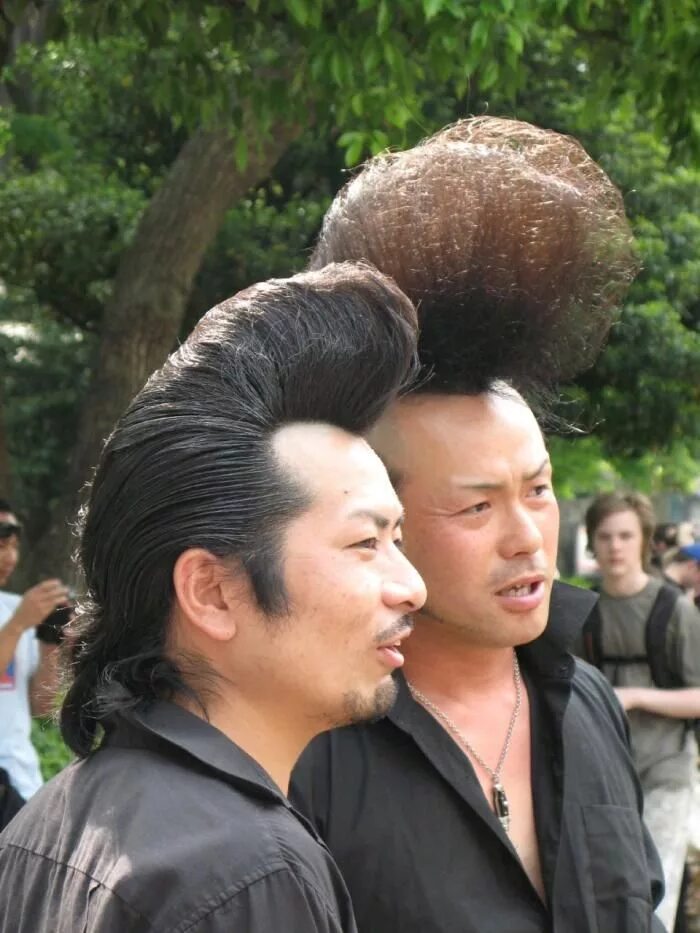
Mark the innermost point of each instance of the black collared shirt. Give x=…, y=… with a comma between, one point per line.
x=404, y=815
x=168, y=828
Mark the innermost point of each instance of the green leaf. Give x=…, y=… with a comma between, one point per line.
x=479, y=34
x=299, y=10
x=515, y=39
x=240, y=151
x=383, y=17
x=354, y=150
x=489, y=76
x=431, y=8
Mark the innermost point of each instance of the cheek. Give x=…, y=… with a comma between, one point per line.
x=550, y=531
x=443, y=550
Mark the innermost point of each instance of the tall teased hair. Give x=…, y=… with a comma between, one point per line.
x=191, y=465
x=510, y=240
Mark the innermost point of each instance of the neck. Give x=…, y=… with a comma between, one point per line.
x=674, y=573
x=628, y=585
x=441, y=663
x=265, y=732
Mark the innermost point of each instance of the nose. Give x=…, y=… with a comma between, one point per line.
x=523, y=534
x=404, y=587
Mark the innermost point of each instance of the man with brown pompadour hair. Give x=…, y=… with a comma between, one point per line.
x=499, y=792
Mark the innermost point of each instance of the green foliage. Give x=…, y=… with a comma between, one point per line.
x=644, y=393
x=119, y=86
x=45, y=368
x=53, y=754
x=267, y=235
x=61, y=238
x=582, y=467
x=370, y=67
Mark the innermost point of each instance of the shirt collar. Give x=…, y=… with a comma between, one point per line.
x=160, y=719
x=550, y=654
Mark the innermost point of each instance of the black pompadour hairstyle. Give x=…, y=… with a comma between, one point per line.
x=509, y=239
x=191, y=464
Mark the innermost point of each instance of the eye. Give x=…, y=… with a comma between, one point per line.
x=370, y=544
x=398, y=544
x=541, y=489
x=475, y=509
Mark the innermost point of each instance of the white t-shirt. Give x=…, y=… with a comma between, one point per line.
x=17, y=754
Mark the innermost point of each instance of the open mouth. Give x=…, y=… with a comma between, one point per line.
x=391, y=654
x=522, y=589
x=522, y=597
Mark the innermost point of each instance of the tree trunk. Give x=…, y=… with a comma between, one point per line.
x=144, y=315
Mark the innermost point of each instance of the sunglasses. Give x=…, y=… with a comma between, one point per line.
x=7, y=529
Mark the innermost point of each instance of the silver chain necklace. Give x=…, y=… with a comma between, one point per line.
x=498, y=794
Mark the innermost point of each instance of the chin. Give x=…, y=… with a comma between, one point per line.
x=529, y=629
x=359, y=707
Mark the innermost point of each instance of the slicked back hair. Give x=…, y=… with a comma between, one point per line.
x=191, y=464
x=610, y=503
x=510, y=240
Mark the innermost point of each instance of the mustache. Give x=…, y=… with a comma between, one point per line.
x=401, y=626
x=517, y=568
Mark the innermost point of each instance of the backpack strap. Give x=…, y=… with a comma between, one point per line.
x=655, y=637
x=662, y=673
x=592, y=638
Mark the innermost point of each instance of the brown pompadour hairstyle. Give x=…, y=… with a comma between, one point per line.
x=510, y=240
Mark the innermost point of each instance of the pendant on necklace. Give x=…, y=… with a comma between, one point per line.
x=500, y=805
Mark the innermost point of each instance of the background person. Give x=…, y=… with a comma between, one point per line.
x=246, y=590
x=499, y=792
x=666, y=537
x=681, y=568
x=657, y=677
x=28, y=669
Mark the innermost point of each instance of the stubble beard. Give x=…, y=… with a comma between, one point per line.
x=358, y=708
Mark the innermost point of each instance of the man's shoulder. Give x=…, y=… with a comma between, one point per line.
x=165, y=839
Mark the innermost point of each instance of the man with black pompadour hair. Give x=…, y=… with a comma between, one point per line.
x=499, y=792
x=246, y=589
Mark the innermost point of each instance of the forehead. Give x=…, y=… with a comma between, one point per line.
x=624, y=520
x=340, y=470
x=484, y=437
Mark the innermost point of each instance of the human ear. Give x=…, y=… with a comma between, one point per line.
x=206, y=594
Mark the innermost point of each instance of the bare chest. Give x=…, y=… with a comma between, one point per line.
x=487, y=740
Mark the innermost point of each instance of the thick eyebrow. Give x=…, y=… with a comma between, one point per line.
x=527, y=477
x=381, y=521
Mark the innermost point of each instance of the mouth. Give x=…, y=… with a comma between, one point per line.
x=522, y=595
x=390, y=651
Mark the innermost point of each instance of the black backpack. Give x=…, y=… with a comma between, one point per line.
x=656, y=656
